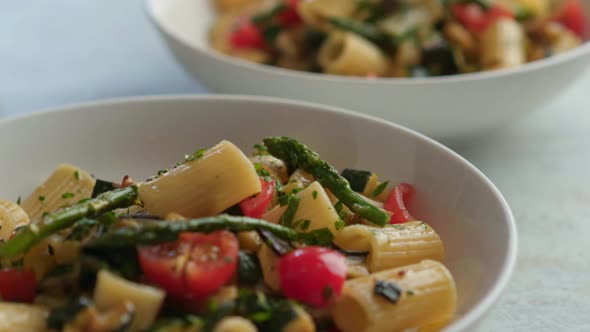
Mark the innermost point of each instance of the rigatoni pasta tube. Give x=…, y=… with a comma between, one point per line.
x=11, y=217
x=315, y=13
x=22, y=317
x=269, y=262
x=111, y=290
x=346, y=53
x=427, y=295
x=314, y=206
x=503, y=45
x=68, y=184
x=222, y=177
x=393, y=245
x=235, y=324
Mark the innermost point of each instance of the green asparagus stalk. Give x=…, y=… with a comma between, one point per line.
x=365, y=30
x=297, y=155
x=67, y=217
x=153, y=232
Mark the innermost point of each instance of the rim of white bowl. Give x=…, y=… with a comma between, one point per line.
x=473, y=315
x=582, y=50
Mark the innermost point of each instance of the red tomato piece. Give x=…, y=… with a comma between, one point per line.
x=313, y=275
x=194, y=266
x=572, y=17
x=18, y=285
x=247, y=35
x=475, y=19
x=396, y=203
x=256, y=206
x=290, y=17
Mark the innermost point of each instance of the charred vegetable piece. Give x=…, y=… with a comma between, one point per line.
x=248, y=268
x=357, y=178
x=102, y=186
x=297, y=155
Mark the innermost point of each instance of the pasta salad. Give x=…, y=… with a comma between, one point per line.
x=222, y=242
x=397, y=38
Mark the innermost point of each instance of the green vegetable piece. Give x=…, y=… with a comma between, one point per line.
x=365, y=30
x=358, y=179
x=297, y=155
x=318, y=237
x=379, y=189
x=67, y=217
x=153, y=232
x=249, y=272
x=102, y=186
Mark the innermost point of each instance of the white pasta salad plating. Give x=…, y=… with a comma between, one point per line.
x=222, y=242
x=397, y=38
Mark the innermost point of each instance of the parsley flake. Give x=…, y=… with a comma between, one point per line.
x=41, y=198
x=67, y=195
x=77, y=175
x=261, y=150
x=380, y=188
x=318, y=237
x=192, y=157
x=314, y=194
x=292, y=205
x=18, y=200
x=339, y=224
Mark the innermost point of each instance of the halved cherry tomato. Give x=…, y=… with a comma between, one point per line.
x=475, y=18
x=256, y=206
x=396, y=203
x=572, y=17
x=247, y=35
x=290, y=16
x=17, y=285
x=313, y=275
x=194, y=266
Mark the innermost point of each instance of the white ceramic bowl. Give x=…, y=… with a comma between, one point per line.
x=444, y=107
x=140, y=136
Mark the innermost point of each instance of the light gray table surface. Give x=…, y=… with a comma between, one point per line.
x=64, y=51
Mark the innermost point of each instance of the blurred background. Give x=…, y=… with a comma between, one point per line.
x=64, y=51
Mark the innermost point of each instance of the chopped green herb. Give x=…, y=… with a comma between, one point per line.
x=318, y=237
x=284, y=200
x=314, y=194
x=261, y=316
x=287, y=217
x=45, y=214
x=260, y=149
x=410, y=293
x=263, y=172
x=379, y=189
x=18, y=200
x=339, y=224
x=198, y=154
x=41, y=198
x=67, y=195
x=327, y=292
x=77, y=175
x=388, y=290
